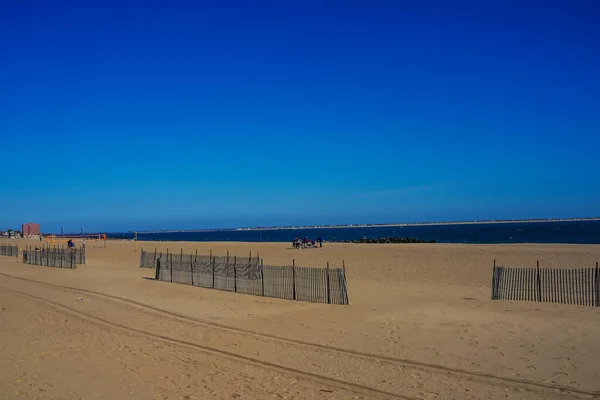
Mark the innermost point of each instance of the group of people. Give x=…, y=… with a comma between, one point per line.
x=306, y=242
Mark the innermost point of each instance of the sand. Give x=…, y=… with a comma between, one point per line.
x=421, y=325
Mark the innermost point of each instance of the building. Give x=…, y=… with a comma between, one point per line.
x=30, y=229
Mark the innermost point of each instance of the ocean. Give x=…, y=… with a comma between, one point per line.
x=579, y=232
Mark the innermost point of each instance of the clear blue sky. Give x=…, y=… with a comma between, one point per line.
x=169, y=114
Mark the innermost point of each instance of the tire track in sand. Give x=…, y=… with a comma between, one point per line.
x=104, y=323
x=385, y=359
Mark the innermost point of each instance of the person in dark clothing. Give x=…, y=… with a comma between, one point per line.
x=320, y=240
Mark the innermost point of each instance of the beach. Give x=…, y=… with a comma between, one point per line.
x=420, y=325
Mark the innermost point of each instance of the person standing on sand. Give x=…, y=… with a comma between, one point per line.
x=320, y=240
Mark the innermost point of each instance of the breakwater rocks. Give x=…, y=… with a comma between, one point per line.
x=384, y=240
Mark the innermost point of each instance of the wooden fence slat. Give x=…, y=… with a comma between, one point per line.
x=525, y=284
x=507, y=283
x=586, y=275
x=579, y=285
x=515, y=279
x=501, y=283
x=544, y=285
x=583, y=286
x=591, y=286
x=565, y=283
x=588, y=296
x=561, y=284
x=576, y=290
x=494, y=283
x=587, y=287
x=534, y=293
x=498, y=281
x=513, y=283
x=517, y=286
x=597, y=285
x=549, y=283
x=508, y=273
x=556, y=279
x=581, y=273
x=534, y=285
x=567, y=286
x=539, y=283
x=570, y=280
x=522, y=284
x=500, y=272
x=573, y=286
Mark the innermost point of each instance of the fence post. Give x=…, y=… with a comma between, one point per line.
x=196, y=256
x=213, y=268
x=294, y=276
x=234, y=274
x=181, y=256
x=494, y=281
x=157, y=272
x=262, y=277
x=192, y=269
x=155, y=257
x=347, y=300
x=328, y=287
x=539, y=282
x=597, y=285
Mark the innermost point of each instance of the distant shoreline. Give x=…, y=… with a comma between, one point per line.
x=303, y=227
x=420, y=224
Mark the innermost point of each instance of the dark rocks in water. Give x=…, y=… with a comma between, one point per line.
x=385, y=240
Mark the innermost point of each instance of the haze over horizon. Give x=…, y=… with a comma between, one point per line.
x=189, y=116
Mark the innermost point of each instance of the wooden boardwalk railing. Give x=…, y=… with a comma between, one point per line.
x=577, y=286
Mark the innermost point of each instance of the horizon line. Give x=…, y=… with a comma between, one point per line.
x=350, y=225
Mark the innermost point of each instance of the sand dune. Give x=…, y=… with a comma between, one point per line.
x=420, y=325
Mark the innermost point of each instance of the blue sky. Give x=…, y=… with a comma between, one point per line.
x=169, y=114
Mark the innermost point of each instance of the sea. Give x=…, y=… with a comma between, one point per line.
x=576, y=232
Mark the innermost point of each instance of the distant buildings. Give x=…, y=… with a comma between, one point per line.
x=10, y=234
x=30, y=229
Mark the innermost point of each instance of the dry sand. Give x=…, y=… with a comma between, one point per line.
x=421, y=325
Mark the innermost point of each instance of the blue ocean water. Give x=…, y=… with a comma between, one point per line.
x=580, y=232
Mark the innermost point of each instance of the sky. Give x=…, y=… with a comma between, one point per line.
x=137, y=115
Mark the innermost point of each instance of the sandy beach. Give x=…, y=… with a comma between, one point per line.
x=420, y=325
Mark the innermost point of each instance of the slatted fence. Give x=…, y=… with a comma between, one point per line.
x=57, y=258
x=78, y=252
x=250, y=276
x=577, y=286
x=9, y=250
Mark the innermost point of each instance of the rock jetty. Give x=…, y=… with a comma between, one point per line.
x=385, y=240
